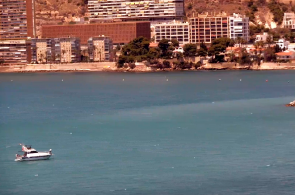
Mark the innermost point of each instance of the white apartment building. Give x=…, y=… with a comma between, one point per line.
x=126, y=10
x=239, y=26
x=175, y=30
x=289, y=20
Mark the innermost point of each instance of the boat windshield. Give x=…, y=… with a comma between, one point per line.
x=32, y=152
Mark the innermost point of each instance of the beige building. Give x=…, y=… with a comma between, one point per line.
x=289, y=20
x=206, y=28
x=53, y=50
x=41, y=52
x=100, y=48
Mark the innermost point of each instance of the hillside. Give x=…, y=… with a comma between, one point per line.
x=263, y=12
x=268, y=13
x=59, y=11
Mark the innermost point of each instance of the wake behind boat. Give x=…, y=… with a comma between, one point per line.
x=31, y=154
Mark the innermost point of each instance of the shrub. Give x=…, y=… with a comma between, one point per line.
x=198, y=64
x=166, y=64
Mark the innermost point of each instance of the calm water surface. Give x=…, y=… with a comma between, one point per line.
x=158, y=133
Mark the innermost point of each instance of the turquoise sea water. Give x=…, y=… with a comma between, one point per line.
x=218, y=132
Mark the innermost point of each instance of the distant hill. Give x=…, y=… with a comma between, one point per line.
x=264, y=12
x=59, y=11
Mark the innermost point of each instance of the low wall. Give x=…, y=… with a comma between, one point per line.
x=99, y=66
x=275, y=66
x=224, y=65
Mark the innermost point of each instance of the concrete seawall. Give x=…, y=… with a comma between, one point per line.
x=110, y=66
x=99, y=66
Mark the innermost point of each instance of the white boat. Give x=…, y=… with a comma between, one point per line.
x=32, y=154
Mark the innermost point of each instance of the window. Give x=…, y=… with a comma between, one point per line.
x=32, y=152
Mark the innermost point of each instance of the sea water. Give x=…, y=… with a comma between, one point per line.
x=215, y=132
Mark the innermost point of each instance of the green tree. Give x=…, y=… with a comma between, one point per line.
x=135, y=50
x=165, y=48
x=203, y=46
x=154, y=53
x=166, y=64
x=175, y=43
x=190, y=50
x=269, y=40
x=269, y=55
x=137, y=47
x=244, y=58
x=201, y=52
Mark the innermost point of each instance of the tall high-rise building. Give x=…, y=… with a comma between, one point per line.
x=17, y=26
x=127, y=10
x=17, y=19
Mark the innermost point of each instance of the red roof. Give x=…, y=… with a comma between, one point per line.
x=288, y=53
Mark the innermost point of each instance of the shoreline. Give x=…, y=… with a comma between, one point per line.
x=110, y=67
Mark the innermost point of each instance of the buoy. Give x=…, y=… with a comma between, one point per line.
x=71, y=133
x=123, y=79
x=167, y=80
x=220, y=79
x=11, y=80
x=240, y=79
x=62, y=80
x=266, y=80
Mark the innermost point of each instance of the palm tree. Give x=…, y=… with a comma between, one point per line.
x=63, y=54
x=41, y=58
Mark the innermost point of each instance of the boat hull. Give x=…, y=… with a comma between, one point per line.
x=33, y=158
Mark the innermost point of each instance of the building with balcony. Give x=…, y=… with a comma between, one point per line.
x=206, y=28
x=289, y=20
x=174, y=30
x=239, y=27
x=131, y=10
x=119, y=32
x=43, y=51
x=15, y=51
x=17, y=27
x=100, y=48
x=17, y=19
x=67, y=50
x=56, y=50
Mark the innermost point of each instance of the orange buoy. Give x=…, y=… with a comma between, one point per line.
x=266, y=80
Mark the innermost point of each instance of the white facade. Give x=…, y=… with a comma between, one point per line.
x=282, y=43
x=178, y=31
x=289, y=20
x=262, y=37
x=135, y=10
x=239, y=26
